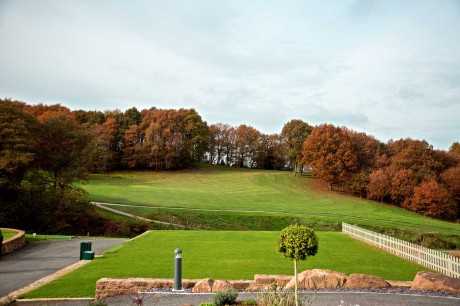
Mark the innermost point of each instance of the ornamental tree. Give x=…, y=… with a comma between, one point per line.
x=297, y=242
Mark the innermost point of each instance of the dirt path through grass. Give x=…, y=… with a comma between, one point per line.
x=103, y=206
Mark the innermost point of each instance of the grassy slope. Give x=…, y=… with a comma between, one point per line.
x=224, y=255
x=266, y=192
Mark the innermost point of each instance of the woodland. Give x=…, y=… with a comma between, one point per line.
x=46, y=149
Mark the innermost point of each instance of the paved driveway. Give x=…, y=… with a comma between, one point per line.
x=37, y=260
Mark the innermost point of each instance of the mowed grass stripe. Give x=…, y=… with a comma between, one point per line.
x=224, y=255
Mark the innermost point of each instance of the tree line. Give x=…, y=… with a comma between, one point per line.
x=51, y=147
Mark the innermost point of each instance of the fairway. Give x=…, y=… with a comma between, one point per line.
x=244, y=191
x=224, y=255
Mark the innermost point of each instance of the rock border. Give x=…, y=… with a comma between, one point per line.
x=309, y=279
x=317, y=278
x=14, y=243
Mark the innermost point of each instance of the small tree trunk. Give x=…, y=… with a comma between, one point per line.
x=295, y=287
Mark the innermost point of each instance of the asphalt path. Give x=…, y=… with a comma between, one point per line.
x=39, y=259
x=318, y=299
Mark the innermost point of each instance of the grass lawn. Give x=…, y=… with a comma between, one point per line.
x=250, y=192
x=7, y=234
x=223, y=255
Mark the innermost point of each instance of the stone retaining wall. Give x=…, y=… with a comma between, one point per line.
x=14, y=243
x=107, y=287
x=316, y=278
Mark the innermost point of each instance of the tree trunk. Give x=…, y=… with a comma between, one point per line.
x=330, y=187
x=295, y=287
x=295, y=168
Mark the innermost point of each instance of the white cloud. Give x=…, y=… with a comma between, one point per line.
x=388, y=68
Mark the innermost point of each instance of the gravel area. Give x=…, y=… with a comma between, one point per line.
x=319, y=297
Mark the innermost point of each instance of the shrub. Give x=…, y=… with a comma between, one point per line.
x=278, y=297
x=227, y=297
x=249, y=303
x=207, y=304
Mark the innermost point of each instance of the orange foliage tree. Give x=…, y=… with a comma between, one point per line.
x=432, y=200
x=329, y=154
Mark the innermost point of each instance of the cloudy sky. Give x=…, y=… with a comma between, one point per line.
x=387, y=68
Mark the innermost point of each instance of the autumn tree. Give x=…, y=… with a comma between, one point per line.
x=247, y=145
x=132, y=153
x=368, y=150
x=41, y=111
x=296, y=132
x=432, y=200
x=358, y=183
x=104, y=155
x=451, y=180
x=416, y=155
x=402, y=185
x=173, y=138
x=379, y=186
x=454, y=150
x=17, y=136
x=330, y=155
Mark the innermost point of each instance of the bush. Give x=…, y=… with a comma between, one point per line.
x=227, y=297
x=278, y=297
x=207, y=304
x=249, y=303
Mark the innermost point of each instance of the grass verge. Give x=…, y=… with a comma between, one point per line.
x=7, y=234
x=223, y=255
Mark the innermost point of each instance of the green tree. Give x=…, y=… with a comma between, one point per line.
x=64, y=152
x=297, y=242
x=296, y=132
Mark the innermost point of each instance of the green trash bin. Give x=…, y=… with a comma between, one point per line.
x=84, y=246
x=88, y=255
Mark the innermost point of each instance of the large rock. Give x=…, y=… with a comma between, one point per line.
x=263, y=279
x=278, y=280
x=432, y=281
x=240, y=284
x=365, y=281
x=203, y=286
x=318, y=278
x=221, y=286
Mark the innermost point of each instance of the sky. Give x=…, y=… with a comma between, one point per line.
x=389, y=68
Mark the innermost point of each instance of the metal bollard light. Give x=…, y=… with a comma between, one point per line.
x=178, y=270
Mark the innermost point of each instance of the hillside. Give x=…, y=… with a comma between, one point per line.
x=235, y=192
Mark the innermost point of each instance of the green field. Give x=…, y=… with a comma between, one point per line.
x=223, y=255
x=242, y=192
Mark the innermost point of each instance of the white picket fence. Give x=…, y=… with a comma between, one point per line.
x=429, y=258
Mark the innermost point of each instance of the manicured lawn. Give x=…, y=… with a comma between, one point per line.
x=223, y=255
x=247, y=191
x=7, y=234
